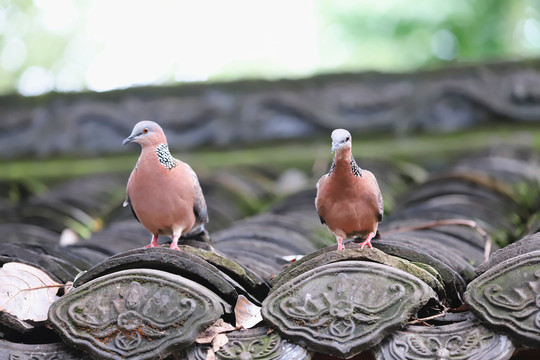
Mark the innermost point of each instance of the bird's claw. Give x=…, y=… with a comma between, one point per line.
x=368, y=243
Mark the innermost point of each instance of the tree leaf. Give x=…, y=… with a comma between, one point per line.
x=215, y=335
x=208, y=335
x=26, y=291
x=210, y=355
x=247, y=314
x=219, y=341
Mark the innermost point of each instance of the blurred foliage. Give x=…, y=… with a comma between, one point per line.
x=50, y=45
x=405, y=35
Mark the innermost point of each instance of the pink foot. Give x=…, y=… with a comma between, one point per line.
x=340, y=244
x=153, y=243
x=174, y=244
x=367, y=241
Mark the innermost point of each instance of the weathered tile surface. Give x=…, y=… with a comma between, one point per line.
x=457, y=341
x=135, y=313
x=507, y=297
x=346, y=307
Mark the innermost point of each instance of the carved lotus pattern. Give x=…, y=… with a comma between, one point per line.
x=508, y=295
x=248, y=346
x=135, y=313
x=35, y=356
x=346, y=306
x=260, y=348
x=467, y=340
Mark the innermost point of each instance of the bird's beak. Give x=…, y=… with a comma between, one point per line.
x=334, y=147
x=129, y=139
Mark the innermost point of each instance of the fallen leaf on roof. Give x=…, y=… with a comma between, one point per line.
x=219, y=341
x=210, y=355
x=215, y=335
x=208, y=335
x=247, y=314
x=26, y=291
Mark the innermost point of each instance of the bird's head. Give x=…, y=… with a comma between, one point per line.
x=341, y=139
x=146, y=133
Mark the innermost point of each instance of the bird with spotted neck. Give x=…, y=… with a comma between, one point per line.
x=348, y=199
x=163, y=192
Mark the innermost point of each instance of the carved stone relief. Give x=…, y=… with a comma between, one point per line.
x=53, y=351
x=458, y=341
x=346, y=307
x=134, y=313
x=253, y=344
x=508, y=296
x=254, y=111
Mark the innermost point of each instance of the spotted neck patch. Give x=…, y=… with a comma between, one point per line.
x=355, y=169
x=165, y=157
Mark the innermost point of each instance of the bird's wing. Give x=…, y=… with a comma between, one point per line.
x=199, y=207
x=128, y=202
x=321, y=180
x=381, y=206
x=377, y=191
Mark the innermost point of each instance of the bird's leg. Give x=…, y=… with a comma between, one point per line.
x=367, y=241
x=176, y=235
x=174, y=244
x=340, y=243
x=153, y=243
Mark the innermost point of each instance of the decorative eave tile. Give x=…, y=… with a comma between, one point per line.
x=52, y=351
x=135, y=313
x=252, y=344
x=458, y=341
x=507, y=296
x=345, y=307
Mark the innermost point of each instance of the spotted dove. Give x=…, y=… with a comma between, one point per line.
x=163, y=192
x=348, y=200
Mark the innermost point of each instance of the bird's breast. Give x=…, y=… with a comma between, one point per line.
x=162, y=198
x=347, y=205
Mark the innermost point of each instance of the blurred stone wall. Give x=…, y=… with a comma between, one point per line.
x=258, y=111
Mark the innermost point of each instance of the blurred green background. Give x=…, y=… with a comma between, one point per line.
x=76, y=45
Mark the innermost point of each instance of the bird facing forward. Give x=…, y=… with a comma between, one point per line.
x=348, y=200
x=163, y=192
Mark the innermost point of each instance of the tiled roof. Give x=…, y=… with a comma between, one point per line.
x=423, y=292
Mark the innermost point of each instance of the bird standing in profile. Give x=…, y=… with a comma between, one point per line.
x=163, y=192
x=348, y=200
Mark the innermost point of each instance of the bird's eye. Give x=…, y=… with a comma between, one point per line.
x=347, y=138
x=145, y=130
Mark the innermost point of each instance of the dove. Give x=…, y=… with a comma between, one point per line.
x=348, y=199
x=164, y=193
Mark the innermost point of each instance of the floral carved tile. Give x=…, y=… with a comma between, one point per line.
x=253, y=344
x=134, y=313
x=52, y=351
x=346, y=307
x=465, y=340
x=507, y=296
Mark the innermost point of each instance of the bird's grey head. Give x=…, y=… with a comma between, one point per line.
x=341, y=138
x=146, y=133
